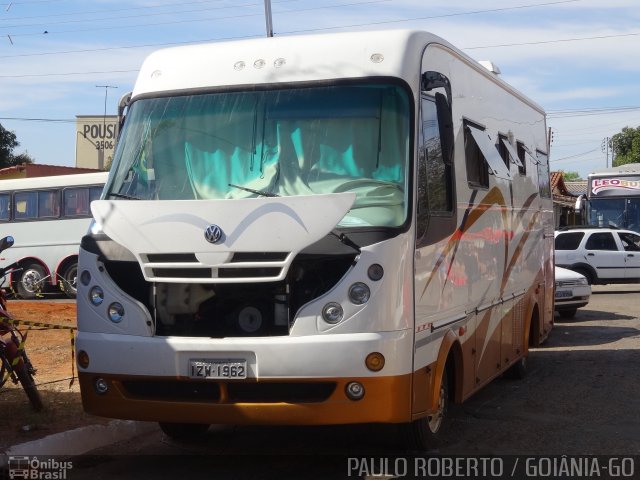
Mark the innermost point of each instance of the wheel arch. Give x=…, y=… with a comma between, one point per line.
x=449, y=358
x=592, y=275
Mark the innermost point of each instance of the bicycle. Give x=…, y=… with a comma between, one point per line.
x=14, y=362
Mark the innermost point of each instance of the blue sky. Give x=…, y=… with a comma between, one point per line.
x=576, y=58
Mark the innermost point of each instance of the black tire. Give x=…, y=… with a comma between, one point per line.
x=568, y=313
x=69, y=282
x=29, y=386
x=518, y=370
x=425, y=433
x=184, y=431
x=587, y=274
x=31, y=281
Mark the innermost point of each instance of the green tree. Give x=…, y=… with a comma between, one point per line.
x=571, y=176
x=626, y=146
x=8, y=142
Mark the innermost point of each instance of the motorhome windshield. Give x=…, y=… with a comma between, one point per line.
x=302, y=141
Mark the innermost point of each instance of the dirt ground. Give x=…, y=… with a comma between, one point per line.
x=50, y=353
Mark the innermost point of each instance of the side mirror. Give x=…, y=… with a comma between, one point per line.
x=122, y=106
x=6, y=242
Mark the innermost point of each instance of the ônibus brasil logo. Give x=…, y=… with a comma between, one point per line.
x=602, y=184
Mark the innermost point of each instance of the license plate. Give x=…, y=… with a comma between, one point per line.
x=224, y=368
x=564, y=293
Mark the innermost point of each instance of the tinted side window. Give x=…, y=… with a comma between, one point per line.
x=601, y=241
x=630, y=242
x=568, y=241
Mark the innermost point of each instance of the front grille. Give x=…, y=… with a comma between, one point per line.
x=181, y=272
x=173, y=390
x=568, y=283
x=237, y=392
x=172, y=258
x=248, y=272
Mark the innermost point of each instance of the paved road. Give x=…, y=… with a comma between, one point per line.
x=580, y=397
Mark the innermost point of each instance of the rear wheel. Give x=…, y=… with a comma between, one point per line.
x=29, y=386
x=184, y=431
x=70, y=280
x=31, y=281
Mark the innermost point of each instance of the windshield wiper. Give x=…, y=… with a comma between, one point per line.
x=123, y=195
x=257, y=192
x=346, y=240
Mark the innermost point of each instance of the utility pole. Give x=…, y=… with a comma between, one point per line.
x=104, y=124
x=267, y=14
x=605, y=149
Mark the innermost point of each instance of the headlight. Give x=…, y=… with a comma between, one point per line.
x=359, y=293
x=332, y=313
x=96, y=296
x=115, y=312
x=583, y=281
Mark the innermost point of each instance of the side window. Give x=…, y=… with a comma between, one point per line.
x=601, y=241
x=5, y=207
x=523, y=159
x=502, y=149
x=49, y=204
x=436, y=207
x=568, y=241
x=630, y=241
x=76, y=202
x=94, y=193
x=439, y=177
x=477, y=168
x=482, y=157
x=25, y=205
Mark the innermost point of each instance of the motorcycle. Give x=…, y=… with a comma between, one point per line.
x=14, y=362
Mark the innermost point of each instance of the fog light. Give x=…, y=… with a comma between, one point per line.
x=359, y=293
x=115, y=312
x=374, y=361
x=250, y=319
x=83, y=359
x=354, y=390
x=85, y=278
x=96, y=296
x=375, y=272
x=332, y=313
x=101, y=386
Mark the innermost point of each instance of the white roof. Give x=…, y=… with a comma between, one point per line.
x=285, y=59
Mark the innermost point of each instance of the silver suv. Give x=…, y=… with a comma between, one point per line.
x=603, y=255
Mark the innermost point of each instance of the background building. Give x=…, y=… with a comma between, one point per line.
x=30, y=170
x=95, y=140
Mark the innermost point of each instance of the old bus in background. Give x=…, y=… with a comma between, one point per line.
x=47, y=217
x=324, y=229
x=613, y=198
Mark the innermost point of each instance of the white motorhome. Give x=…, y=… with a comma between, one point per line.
x=324, y=229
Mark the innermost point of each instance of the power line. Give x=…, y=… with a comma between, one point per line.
x=174, y=22
x=120, y=17
x=589, y=111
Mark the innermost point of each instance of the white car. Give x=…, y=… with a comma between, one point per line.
x=572, y=292
x=603, y=255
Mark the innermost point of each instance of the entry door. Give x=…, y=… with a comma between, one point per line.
x=631, y=244
x=604, y=255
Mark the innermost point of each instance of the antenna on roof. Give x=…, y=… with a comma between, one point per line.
x=267, y=14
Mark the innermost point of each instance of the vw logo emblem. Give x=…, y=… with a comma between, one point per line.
x=213, y=234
